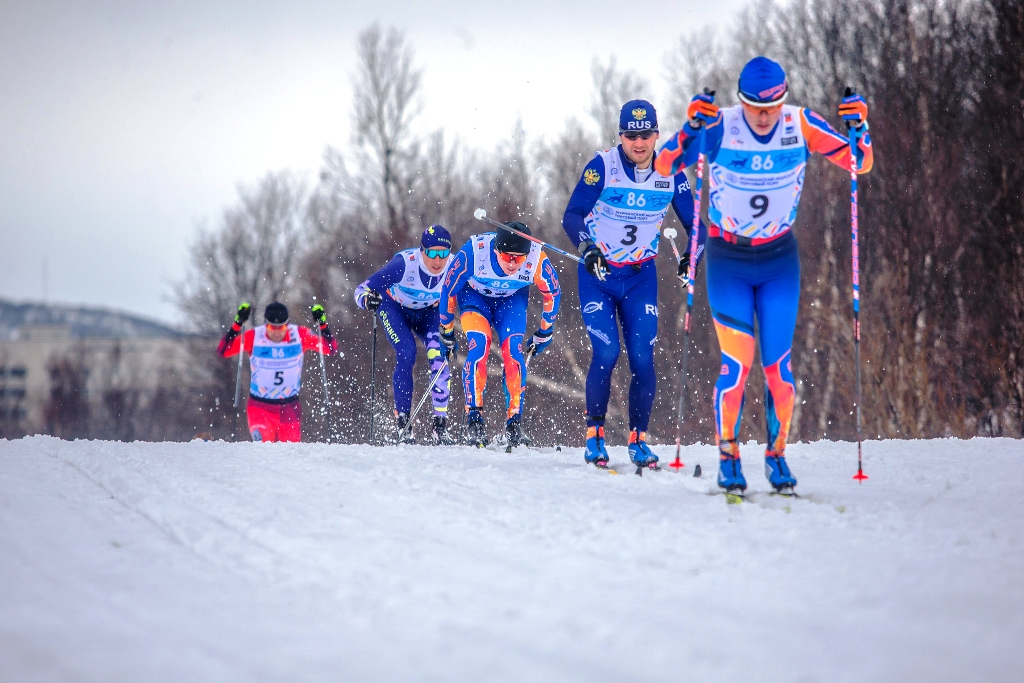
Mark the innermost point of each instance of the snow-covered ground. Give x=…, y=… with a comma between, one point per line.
x=266, y=562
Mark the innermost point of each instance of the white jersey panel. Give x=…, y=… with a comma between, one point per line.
x=410, y=290
x=276, y=366
x=755, y=187
x=625, y=223
x=493, y=283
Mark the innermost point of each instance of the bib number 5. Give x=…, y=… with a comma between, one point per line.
x=279, y=378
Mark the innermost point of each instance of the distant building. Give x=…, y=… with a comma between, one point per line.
x=52, y=355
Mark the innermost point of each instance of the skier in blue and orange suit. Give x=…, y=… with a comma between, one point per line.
x=489, y=281
x=757, y=152
x=614, y=218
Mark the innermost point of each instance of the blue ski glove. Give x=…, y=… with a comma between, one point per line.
x=540, y=340
x=448, y=342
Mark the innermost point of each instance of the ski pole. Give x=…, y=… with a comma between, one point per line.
x=423, y=399
x=481, y=215
x=323, y=377
x=853, y=136
x=238, y=381
x=692, y=274
x=373, y=375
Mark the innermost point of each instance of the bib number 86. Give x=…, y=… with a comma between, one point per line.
x=633, y=200
x=759, y=162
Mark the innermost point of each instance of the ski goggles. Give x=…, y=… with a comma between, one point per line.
x=437, y=253
x=643, y=135
x=511, y=259
x=277, y=328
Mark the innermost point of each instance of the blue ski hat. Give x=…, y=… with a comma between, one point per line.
x=763, y=83
x=637, y=116
x=436, y=237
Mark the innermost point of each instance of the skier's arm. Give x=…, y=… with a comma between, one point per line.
x=679, y=151
x=582, y=201
x=232, y=341
x=682, y=203
x=311, y=342
x=382, y=280
x=546, y=280
x=822, y=138
x=455, y=279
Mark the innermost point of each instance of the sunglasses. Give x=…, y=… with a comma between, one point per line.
x=437, y=253
x=277, y=328
x=645, y=135
x=511, y=259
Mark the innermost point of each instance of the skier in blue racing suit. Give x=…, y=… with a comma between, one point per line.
x=614, y=218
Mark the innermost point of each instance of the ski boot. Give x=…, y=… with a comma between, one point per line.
x=513, y=432
x=476, y=432
x=596, y=454
x=401, y=435
x=730, y=469
x=439, y=436
x=777, y=471
x=640, y=453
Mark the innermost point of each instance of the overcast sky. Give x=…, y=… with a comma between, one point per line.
x=124, y=125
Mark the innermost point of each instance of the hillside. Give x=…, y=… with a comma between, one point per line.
x=268, y=562
x=82, y=321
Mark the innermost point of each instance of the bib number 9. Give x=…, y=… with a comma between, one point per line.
x=759, y=203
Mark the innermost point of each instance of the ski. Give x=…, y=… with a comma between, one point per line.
x=607, y=469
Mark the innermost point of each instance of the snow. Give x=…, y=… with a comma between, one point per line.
x=272, y=562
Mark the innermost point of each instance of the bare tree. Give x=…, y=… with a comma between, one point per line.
x=252, y=256
x=612, y=89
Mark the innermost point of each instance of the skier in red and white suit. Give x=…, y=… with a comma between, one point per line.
x=275, y=359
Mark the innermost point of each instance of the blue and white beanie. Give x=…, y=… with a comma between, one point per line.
x=436, y=237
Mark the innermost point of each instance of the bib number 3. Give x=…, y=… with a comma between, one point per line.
x=630, y=235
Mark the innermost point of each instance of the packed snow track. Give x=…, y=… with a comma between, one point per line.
x=313, y=562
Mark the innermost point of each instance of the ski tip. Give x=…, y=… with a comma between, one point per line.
x=696, y=471
x=733, y=498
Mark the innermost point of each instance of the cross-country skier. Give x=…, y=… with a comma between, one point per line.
x=757, y=153
x=405, y=294
x=489, y=280
x=614, y=218
x=275, y=359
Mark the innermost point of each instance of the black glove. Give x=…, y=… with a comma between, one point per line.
x=594, y=261
x=683, y=271
x=372, y=300
x=243, y=314
x=449, y=343
x=539, y=341
x=319, y=314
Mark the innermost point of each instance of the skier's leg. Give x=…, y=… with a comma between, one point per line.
x=427, y=329
x=262, y=420
x=476, y=323
x=290, y=428
x=597, y=304
x=638, y=311
x=731, y=297
x=396, y=326
x=510, y=322
x=777, y=301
